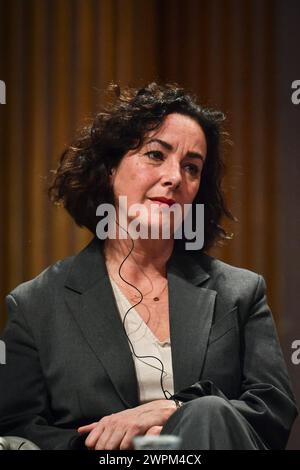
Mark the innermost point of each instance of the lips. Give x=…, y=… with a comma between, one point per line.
x=163, y=200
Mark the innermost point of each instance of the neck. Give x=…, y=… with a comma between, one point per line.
x=147, y=256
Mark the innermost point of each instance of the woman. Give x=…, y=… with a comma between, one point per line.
x=138, y=335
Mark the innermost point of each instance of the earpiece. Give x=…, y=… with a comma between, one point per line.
x=123, y=323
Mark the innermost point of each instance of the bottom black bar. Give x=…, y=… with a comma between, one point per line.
x=137, y=459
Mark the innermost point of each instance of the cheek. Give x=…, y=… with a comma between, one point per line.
x=134, y=182
x=125, y=179
x=132, y=171
x=142, y=177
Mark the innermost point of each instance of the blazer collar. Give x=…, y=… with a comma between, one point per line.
x=191, y=310
x=89, y=267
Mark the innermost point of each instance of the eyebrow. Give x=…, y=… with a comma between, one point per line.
x=168, y=146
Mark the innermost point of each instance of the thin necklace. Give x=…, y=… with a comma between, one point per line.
x=156, y=298
x=137, y=296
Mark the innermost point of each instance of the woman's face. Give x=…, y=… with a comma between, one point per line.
x=168, y=165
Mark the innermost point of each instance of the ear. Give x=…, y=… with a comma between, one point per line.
x=112, y=173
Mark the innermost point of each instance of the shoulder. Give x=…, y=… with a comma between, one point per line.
x=228, y=280
x=55, y=276
x=236, y=285
x=31, y=304
x=217, y=270
x=221, y=271
x=37, y=296
x=37, y=293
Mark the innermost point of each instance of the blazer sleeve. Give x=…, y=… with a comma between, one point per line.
x=24, y=401
x=266, y=399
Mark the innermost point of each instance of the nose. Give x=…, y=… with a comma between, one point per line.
x=172, y=175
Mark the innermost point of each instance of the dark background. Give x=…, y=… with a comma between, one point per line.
x=57, y=57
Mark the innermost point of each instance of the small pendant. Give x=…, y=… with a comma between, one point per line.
x=156, y=299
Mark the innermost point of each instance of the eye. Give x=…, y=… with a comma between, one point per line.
x=155, y=155
x=194, y=170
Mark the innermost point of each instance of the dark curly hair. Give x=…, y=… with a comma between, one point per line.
x=81, y=181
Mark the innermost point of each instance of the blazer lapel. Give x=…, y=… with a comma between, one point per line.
x=90, y=298
x=191, y=313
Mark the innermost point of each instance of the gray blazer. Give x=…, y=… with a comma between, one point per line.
x=69, y=361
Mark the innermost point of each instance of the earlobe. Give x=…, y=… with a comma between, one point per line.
x=111, y=175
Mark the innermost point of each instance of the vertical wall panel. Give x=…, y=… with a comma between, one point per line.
x=36, y=212
x=197, y=51
x=125, y=37
x=63, y=95
x=146, y=43
x=13, y=182
x=85, y=68
x=270, y=156
x=105, y=39
x=257, y=154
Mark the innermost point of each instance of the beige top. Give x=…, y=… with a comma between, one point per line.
x=146, y=344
